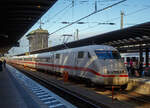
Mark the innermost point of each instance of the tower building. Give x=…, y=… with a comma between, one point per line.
x=38, y=39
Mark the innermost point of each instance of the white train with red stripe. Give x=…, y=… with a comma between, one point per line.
x=100, y=64
x=135, y=57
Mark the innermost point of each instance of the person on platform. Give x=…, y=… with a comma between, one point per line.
x=131, y=67
x=4, y=63
x=140, y=68
x=1, y=67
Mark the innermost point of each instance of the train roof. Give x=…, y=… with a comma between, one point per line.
x=83, y=48
x=89, y=47
x=43, y=55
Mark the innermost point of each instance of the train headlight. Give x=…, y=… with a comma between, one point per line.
x=124, y=71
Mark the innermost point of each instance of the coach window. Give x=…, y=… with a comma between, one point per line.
x=57, y=56
x=20, y=58
x=44, y=60
x=50, y=59
x=37, y=60
x=47, y=59
x=80, y=54
x=29, y=59
x=89, y=56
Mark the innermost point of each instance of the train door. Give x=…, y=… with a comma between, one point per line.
x=33, y=65
x=81, y=63
x=50, y=61
x=56, y=61
x=71, y=61
x=63, y=62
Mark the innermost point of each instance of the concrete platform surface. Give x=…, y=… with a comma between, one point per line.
x=11, y=93
x=140, y=85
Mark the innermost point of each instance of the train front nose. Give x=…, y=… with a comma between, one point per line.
x=116, y=73
x=117, y=80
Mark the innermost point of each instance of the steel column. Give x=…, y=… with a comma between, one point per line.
x=141, y=61
x=147, y=56
x=141, y=54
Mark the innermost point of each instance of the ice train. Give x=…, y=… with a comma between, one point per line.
x=99, y=64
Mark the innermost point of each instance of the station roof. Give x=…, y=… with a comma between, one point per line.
x=17, y=17
x=121, y=39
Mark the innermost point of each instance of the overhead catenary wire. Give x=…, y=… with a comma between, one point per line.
x=131, y=13
x=115, y=18
x=59, y=12
x=65, y=9
x=139, y=10
x=88, y=16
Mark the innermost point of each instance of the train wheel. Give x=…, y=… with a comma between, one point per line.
x=123, y=87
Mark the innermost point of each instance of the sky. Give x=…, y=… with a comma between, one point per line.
x=135, y=12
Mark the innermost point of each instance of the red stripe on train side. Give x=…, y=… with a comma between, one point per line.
x=76, y=68
x=123, y=75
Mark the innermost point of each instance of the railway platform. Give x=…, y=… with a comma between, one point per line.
x=140, y=85
x=12, y=95
x=19, y=91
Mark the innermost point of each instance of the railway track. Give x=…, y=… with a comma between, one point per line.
x=72, y=97
x=123, y=96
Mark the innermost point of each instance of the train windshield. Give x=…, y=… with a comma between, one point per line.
x=107, y=54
